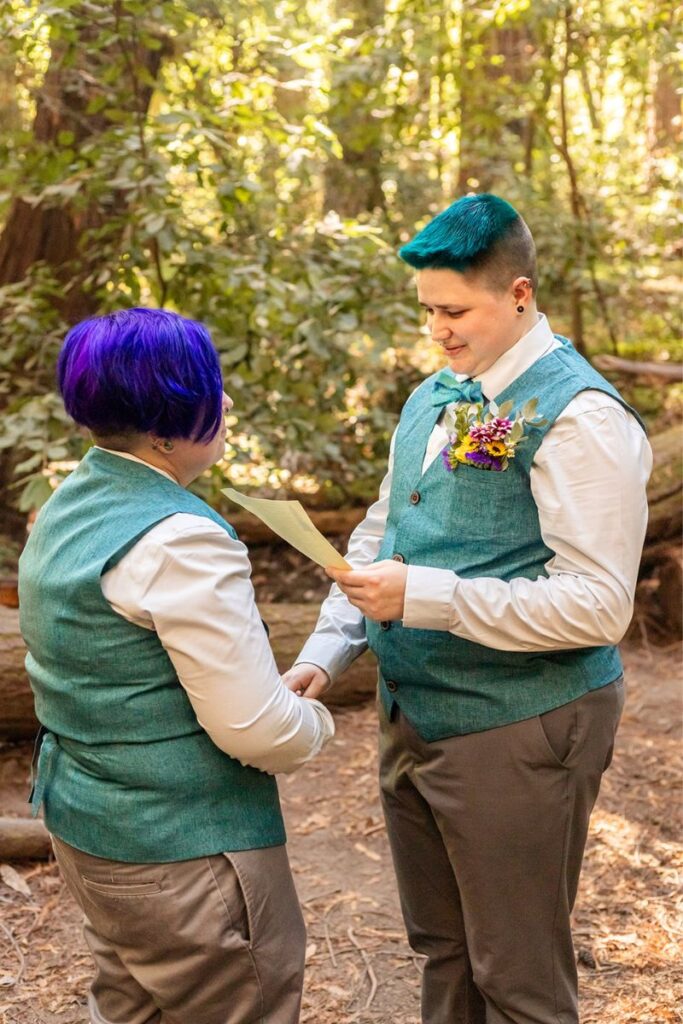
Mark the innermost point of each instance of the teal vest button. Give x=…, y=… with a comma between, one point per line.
x=398, y=558
x=392, y=687
x=415, y=498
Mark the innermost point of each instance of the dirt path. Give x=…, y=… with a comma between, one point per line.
x=360, y=969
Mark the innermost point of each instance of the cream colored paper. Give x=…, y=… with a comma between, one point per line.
x=289, y=520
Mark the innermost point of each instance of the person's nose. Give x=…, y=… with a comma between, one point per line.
x=227, y=402
x=440, y=328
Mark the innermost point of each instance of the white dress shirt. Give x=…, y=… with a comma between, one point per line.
x=188, y=580
x=588, y=480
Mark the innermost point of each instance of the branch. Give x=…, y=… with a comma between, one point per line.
x=669, y=371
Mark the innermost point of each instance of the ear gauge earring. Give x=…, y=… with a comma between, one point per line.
x=520, y=309
x=166, y=445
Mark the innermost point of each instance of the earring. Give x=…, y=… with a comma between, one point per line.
x=167, y=445
x=520, y=309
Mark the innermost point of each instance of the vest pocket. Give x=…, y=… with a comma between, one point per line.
x=481, y=503
x=486, y=477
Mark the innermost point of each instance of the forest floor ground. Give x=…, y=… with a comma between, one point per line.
x=360, y=969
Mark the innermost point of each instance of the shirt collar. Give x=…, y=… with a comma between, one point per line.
x=134, y=458
x=524, y=353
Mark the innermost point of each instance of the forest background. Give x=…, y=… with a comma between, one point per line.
x=256, y=166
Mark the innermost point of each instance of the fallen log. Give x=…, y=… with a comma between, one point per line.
x=669, y=371
x=9, y=596
x=665, y=487
x=17, y=720
x=251, y=530
x=659, y=595
x=23, y=839
x=289, y=624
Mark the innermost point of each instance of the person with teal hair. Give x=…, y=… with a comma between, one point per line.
x=493, y=579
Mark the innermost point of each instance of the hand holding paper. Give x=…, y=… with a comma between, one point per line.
x=379, y=590
x=289, y=520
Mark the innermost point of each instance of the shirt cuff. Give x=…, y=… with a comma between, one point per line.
x=429, y=598
x=329, y=655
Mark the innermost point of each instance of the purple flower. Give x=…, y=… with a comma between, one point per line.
x=449, y=463
x=485, y=460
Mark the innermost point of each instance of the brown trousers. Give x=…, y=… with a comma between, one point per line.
x=487, y=833
x=215, y=940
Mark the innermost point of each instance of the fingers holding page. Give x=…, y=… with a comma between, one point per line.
x=378, y=590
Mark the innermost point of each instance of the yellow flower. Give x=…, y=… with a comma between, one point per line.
x=497, y=448
x=467, y=444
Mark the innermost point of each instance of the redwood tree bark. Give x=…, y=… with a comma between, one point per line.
x=481, y=137
x=49, y=231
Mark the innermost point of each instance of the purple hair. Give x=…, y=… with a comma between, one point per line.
x=142, y=370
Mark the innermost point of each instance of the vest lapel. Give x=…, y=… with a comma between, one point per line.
x=414, y=438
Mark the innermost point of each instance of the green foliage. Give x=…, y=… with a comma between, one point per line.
x=202, y=172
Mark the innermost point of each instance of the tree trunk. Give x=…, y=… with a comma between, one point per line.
x=49, y=231
x=10, y=116
x=471, y=169
x=353, y=184
x=484, y=44
x=71, y=112
x=584, y=238
x=667, y=110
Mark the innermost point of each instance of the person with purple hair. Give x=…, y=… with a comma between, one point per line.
x=163, y=716
x=505, y=546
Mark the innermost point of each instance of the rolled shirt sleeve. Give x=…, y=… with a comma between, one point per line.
x=190, y=581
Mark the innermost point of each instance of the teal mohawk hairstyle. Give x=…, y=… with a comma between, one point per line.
x=460, y=235
x=480, y=234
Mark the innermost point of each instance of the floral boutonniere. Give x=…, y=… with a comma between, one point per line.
x=487, y=441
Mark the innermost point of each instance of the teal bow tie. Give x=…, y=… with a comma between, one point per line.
x=447, y=389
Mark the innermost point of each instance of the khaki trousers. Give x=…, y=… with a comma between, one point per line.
x=487, y=833
x=214, y=940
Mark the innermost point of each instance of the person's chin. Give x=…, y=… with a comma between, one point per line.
x=458, y=359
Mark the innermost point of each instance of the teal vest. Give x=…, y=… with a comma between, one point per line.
x=479, y=523
x=125, y=770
